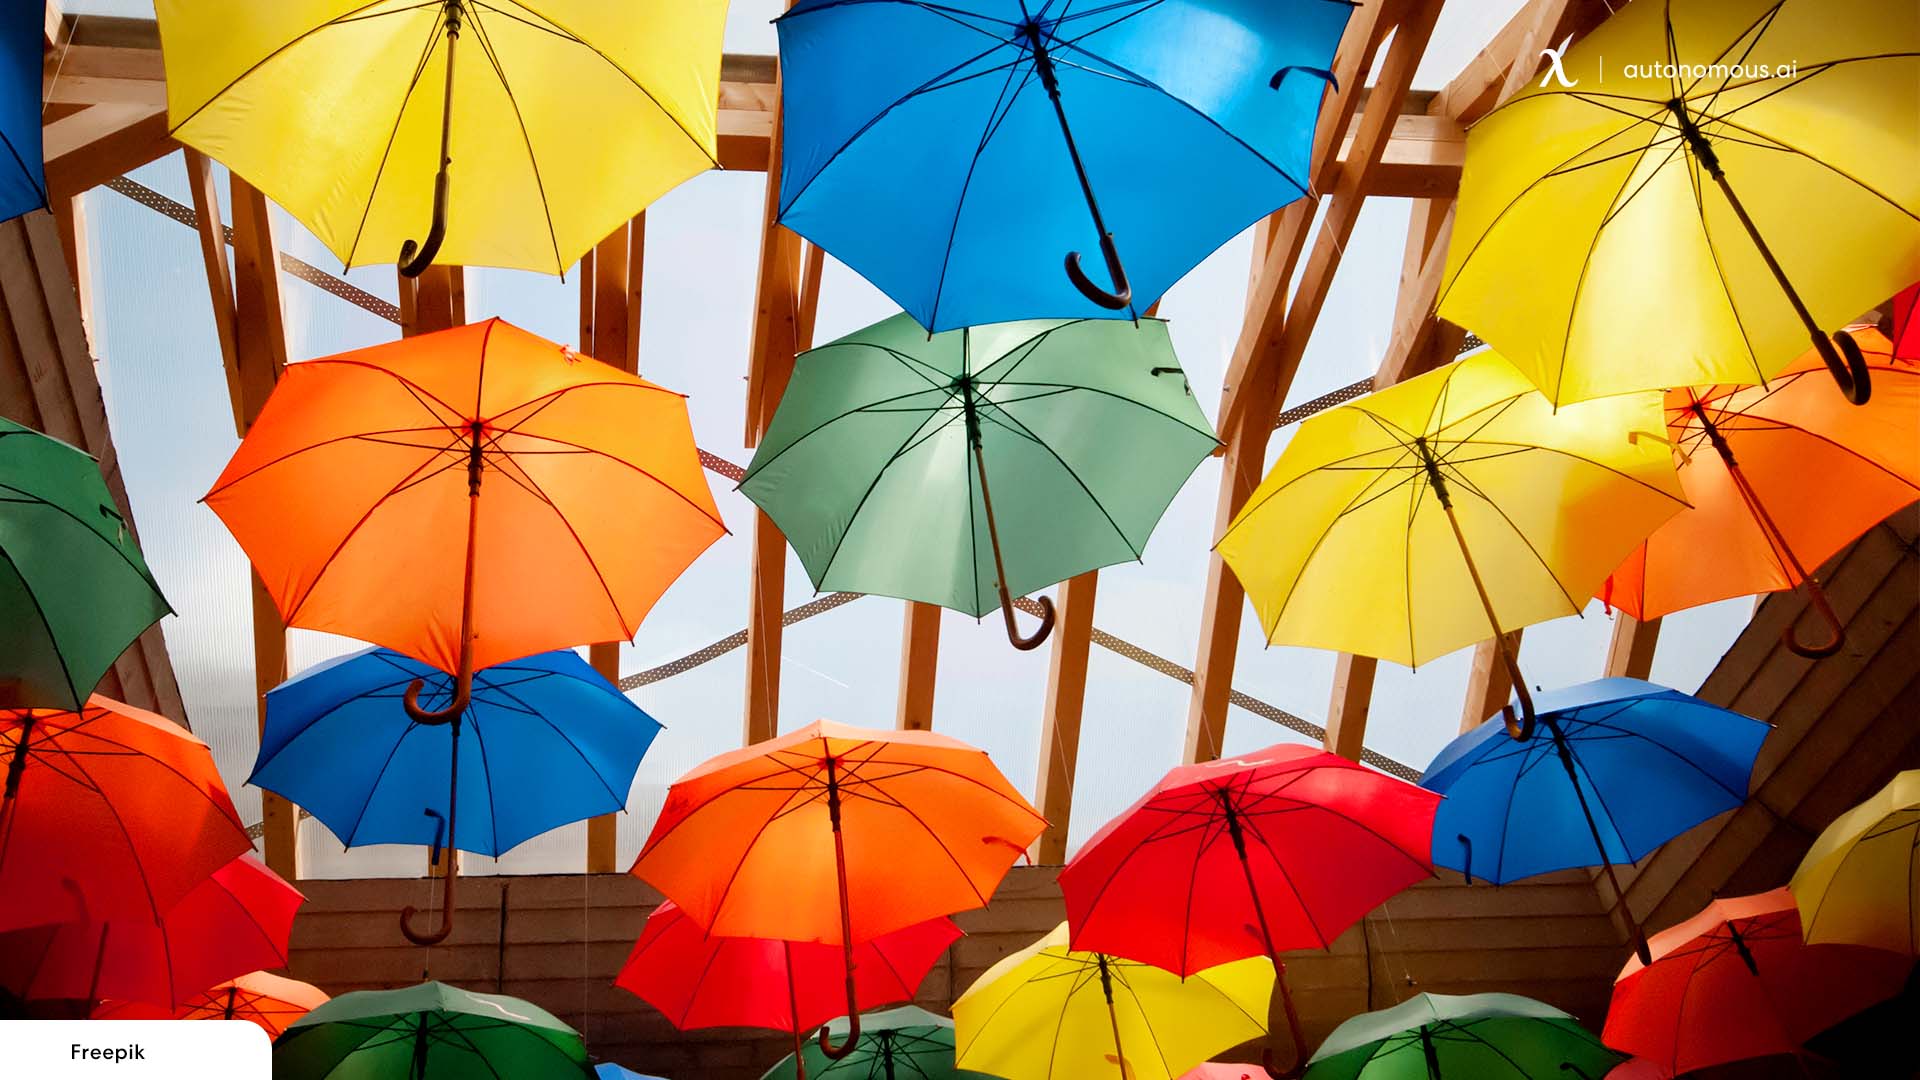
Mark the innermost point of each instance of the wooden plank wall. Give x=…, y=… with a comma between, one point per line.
x=566, y=937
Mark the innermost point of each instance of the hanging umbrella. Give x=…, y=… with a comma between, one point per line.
x=264, y=999
x=361, y=496
x=109, y=813
x=953, y=153
x=546, y=741
x=557, y=121
x=233, y=922
x=1736, y=982
x=1215, y=1070
x=1370, y=534
x=429, y=1032
x=23, y=181
x=1859, y=885
x=1048, y=1011
x=1906, y=330
x=1625, y=766
x=1253, y=855
x=698, y=980
x=1473, y=1037
x=1722, y=180
x=1639, y=1069
x=607, y=1070
x=74, y=591
x=906, y=1043
x=836, y=834
x=1780, y=477
x=877, y=464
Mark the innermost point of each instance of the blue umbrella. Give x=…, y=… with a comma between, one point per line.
x=548, y=740
x=609, y=1071
x=23, y=182
x=1614, y=769
x=953, y=152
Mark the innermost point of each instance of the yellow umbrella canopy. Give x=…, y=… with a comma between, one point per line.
x=1049, y=1012
x=562, y=118
x=1710, y=184
x=1860, y=882
x=1452, y=506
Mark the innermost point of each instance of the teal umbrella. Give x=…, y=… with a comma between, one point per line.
x=973, y=466
x=428, y=1032
x=898, y=1044
x=1475, y=1037
x=74, y=591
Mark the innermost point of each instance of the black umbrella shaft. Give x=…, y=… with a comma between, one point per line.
x=232, y=993
x=1237, y=833
x=17, y=765
x=1599, y=845
x=1113, y=1017
x=1433, y=1054
x=1043, y=66
x=840, y=870
x=420, y=1049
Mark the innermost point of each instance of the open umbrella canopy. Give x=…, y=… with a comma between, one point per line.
x=906, y=1043
x=1906, y=329
x=109, y=813
x=1736, y=981
x=1860, y=882
x=1699, y=157
x=954, y=154
x=429, y=1032
x=698, y=980
x=349, y=113
x=233, y=922
x=74, y=591
x=607, y=1070
x=1475, y=1037
x=1650, y=763
x=268, y=1001
x=544, y=741
x=23, y=181
x=919, y=467
x=1780, y=477
x=1048, y=1011
x=372, y=480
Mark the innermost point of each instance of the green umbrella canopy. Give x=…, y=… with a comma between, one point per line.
x=74, y=591
x=897, y=1044
x=1086, y=427
x=1475, y=1037
x=428, y=1032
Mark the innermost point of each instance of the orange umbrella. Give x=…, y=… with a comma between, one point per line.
x=467, y=498
x=1780, y=476
x=837, y=834
x=269, y=1000
x=108, y=813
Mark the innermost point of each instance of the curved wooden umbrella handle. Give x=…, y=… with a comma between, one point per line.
x=1122, y=293
x=446, y=909
x=462, y=696
x=835, y=1053
x=1266, y=1062
x=1522, y=728
x=1847, y=365
x=1026, y=644
x=1836, y=632
x=415, y=258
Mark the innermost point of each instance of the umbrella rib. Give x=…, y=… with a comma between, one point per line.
x=472, y=719
x=374, y=787
x=994, y=415
x=1112, y=394
x=1119, y=976
x=1582, y=458
x=996, y=116
x=1574, y=606
x=74, y=689
x=880, y=474
x=144, y=574
x=133, y=849
x=952, y=14
x=434, y=37
x=526, y=138
x=1737, y=796
x=606, y=589
x=1787, y=147
x=733, y=876
x=536, y=714
x=758, y=466
x=376, y=437
x=263, y=61
x=595, y=452
x=1752, y=34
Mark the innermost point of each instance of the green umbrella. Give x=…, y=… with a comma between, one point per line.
x=969, y=467
x=74, y=591
x=1475, y=1037
x=898, y=1044
x=428, y=1032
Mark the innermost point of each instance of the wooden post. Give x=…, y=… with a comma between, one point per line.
x=1489, y=686
x=1060, y=725
x=1352, y=701
x=1630, y=651
x=919, y=666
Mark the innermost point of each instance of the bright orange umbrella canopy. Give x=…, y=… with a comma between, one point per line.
x=745, y=845
x=261, y=997
x=1822, y=471
x=350, y=494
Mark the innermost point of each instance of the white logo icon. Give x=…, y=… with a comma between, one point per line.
x=1556, y=73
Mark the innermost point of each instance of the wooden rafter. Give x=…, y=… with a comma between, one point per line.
x=919, y=666
x=1060, y=722
x=1630, y=650
x=1489, y=686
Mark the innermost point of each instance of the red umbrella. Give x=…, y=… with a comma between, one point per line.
x=1284, y=848
x=259, y=997
x=1906, y=329
x=698, y=980
x=234, y=922
x=108, y=813
x=1736, y=981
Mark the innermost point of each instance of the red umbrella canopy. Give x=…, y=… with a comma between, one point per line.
x=109, y=813
x=270, y=1001
x=1906, y=329
x=1736, y=981
x=1325, y=840
x=697, y=980
x=234, y=922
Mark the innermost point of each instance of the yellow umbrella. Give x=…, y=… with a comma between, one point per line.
x=1448, y=509
x=1047, y=1012
x=1860, y=882
x=1694, y=190
x=519, y=133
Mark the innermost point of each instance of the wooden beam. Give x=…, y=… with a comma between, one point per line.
x=1060, y=724
x=1352, y=701
x=1489, y=686
x=92, y=147
x=213, y=256
x=919, y=666
x=1630, y=650
x=1513, y=56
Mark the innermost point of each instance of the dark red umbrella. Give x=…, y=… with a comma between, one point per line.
x=1737, y=981
x=234, y=922
x=1284, y=848
x=1906, y=329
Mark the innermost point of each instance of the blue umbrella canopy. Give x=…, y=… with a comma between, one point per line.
x=955, y=153
x=23, y=183
x=607, y=1070
x=1651, y=763
x=546, y=741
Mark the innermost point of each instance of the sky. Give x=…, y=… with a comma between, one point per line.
x=166, y=398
